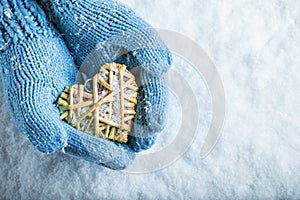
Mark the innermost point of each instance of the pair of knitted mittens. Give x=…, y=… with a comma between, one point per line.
x=41, y=44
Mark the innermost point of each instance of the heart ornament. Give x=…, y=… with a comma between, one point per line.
x=104, y=106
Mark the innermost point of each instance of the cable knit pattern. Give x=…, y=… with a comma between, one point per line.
x=36, y=66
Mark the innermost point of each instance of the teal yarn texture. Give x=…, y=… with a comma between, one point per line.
x=41, y=45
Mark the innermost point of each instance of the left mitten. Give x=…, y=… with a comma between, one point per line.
x=35, y=67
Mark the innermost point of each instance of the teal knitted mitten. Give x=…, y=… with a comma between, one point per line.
x=36, y=66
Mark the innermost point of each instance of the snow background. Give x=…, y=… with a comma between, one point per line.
x=255, y=46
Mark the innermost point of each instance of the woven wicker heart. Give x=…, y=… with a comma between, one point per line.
x=104, y=106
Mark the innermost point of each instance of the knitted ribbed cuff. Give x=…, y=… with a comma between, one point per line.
x=21, y=19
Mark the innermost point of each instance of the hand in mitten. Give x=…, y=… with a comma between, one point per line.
x=36, y=66
x=84, y=24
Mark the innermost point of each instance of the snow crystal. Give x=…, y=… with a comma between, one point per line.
x=8, y=13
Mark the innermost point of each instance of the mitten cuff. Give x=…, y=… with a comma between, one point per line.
x=21, y=19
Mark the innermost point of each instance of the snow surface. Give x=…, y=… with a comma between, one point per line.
x=255, y=46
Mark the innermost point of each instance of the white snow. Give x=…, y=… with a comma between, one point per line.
x=255, y=46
